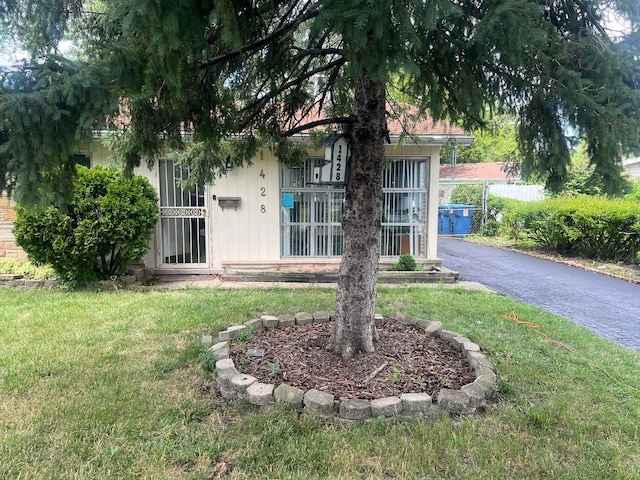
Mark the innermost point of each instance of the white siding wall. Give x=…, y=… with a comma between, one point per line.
x=528, y=193
x=633, y=170
x=250, y=234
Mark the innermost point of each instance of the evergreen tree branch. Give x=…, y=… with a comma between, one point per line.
x=262, y=42
x=293, y=82
x=594, y=21
x=318, y=123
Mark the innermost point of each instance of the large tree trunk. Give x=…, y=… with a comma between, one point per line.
x=354, y=330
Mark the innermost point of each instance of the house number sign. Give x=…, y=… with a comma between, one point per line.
x=336, y=161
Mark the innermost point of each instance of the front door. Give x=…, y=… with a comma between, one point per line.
x=183, y=219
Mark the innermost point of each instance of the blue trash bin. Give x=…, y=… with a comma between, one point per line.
x=455, y=219
x=444, y=222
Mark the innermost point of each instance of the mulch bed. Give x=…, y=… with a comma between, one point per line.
x=405, y=361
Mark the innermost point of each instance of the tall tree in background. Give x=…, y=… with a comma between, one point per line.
x=228, y=68
x=496, y=141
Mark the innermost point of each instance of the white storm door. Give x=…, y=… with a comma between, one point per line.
x=183, y=218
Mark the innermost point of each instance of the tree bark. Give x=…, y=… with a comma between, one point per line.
x=354, y=330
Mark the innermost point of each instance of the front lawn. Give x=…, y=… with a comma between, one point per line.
x=109, y=385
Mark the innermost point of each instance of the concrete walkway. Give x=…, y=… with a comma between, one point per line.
x=211, y=281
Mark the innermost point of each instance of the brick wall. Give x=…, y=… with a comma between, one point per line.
x=8, y=247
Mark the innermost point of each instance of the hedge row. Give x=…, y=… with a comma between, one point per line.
x=591, y=227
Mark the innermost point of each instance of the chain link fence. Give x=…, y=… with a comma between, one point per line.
x=462, y=208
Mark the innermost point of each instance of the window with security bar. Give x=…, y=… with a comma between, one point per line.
x=182, y=217
x=311, y=213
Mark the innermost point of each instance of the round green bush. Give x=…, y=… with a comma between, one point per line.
x=406, y=263
x=107, y=224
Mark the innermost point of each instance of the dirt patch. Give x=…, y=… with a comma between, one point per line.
x=406, y=361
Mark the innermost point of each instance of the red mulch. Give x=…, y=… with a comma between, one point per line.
x=413, y=362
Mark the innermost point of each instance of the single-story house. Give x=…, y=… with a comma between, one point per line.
x=494, y=172
x=269, y=217
x=8, y=247
x=497, y=177
x=632, y=167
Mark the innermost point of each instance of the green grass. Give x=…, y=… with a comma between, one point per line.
x=108, y=385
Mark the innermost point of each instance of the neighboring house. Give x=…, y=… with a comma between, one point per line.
x=632, y=167
x=267, y=217
x=8, y=247
x=494, y=172
x=499, y=179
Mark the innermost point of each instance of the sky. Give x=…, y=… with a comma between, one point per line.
x=11, y=54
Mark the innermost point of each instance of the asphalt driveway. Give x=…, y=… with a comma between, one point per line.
x=608, y=306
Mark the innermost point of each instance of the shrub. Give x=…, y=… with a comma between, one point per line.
x=634, y=195
x=587, y=226
x=468, y=195
x=406, y=263
x=107, y=223
x=26, y=269
x=497, y=208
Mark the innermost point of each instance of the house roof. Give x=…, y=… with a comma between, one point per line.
x=477, y=171
x=427, y=131
x=630, y=161
x=406, y=124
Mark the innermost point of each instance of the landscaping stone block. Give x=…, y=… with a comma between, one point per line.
x=304, y=318
x=231, y=332
x=260, y=394
x=470, y=347
x=487, y=380
x=228, y=393
x=455, y=401
x=434, y=329
x=224, y=336
x=270, y=321
x=220, y=350
x=226, y=370
x=386, y=407
x=319, y=402
x=447, y=335
x=486, y=384
x=355, y=409
x=423, y=324
x=483, y=370
x=476, y=359
x=396, y=317
x=286, y=320
x=49, y=284
x=241, y=382
x=416, y=403
x=207, y=340
x=475, y=393
x=409, y=320
x=321, y=317
x=458, y=341
x=379, y=319
x=288, y=395
x=255, y=325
